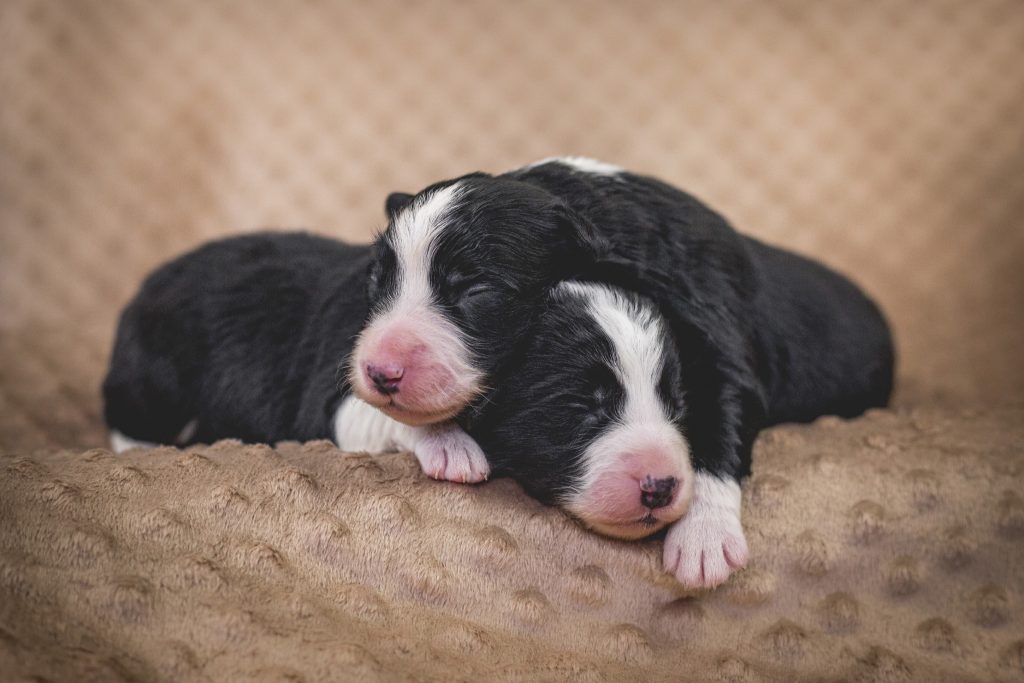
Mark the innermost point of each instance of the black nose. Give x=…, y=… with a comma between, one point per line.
x=657, y=493
x=385, y=379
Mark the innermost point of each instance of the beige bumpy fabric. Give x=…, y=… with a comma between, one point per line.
x=885, y=138
x=884, y=549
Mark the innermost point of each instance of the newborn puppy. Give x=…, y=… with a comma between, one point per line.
x=763, y=336
x=456, y=280
x=242, y=338
x=590, y=420
x=766, y=336
x=247, y=338
x=589, y=415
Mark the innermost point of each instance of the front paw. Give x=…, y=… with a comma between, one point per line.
x=447, y=453
x=707, y=545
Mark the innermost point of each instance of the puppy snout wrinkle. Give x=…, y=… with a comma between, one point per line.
x=657, y=493
x=385, y=378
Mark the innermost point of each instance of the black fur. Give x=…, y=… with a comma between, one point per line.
x=764, y=336
x=504, y=247
x=245, y=334
x=560, y=395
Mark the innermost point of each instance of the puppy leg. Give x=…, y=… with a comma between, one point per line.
x=446, y=452
x=704, y=547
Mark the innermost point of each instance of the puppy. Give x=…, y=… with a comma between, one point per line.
x=763, y=336
x=591, y=420
x=242, y=338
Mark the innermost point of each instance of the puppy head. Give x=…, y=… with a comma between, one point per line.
x=589, y=419
x=456, y=280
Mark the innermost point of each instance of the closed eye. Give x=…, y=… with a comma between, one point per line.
x=459, y=283
x=476, y=289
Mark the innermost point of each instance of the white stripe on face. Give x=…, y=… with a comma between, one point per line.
x=637, y=336
x=414, y=234
x=643, y=444
x=408, y=336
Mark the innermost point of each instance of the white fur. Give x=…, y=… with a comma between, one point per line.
x=187, y=432
x=446, y=452
x=359, y=427
x=637, y=337
x=583, y=164
x=704, y=547
x=443, y=451
x=120, y=443
x=414, y=234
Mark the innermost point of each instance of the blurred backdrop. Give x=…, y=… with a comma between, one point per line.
x=884, y=138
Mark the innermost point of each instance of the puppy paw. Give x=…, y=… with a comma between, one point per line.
x=447, y=453
x=707, y=545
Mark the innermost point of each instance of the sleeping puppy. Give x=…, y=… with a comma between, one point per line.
x=591, y=419
x=242, y=338
x=763, y=336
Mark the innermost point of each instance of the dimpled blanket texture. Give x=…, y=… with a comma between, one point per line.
x=884, y=138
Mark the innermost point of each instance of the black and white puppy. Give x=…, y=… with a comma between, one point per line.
x=591, y=418
x=763, y=336
x=242, y=338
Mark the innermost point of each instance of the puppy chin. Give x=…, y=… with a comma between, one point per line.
x=631, y=522
x=627, y=532
x=401, y=409
x=415, y=418
x=636, y=526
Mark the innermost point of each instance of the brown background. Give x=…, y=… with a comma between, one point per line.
x=885, y=138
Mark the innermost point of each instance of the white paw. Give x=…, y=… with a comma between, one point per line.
x=707, y=545
x=446, y=452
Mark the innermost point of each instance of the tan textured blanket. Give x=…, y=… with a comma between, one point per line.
x=884, y=549
x=884, y=138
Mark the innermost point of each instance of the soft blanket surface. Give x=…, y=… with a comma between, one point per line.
x=887, y=548
x=884, y=138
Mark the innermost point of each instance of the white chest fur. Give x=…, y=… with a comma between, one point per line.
x=359, y=427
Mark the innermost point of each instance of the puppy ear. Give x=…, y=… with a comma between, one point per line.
x=396, y=202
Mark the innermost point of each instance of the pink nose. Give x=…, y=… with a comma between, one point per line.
x=385, y=377
x=657, y=493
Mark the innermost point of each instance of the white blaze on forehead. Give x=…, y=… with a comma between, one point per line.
x=584, y=164
x=409, y=328
x=414, y=235
x=643, y=441
x=637, y=336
